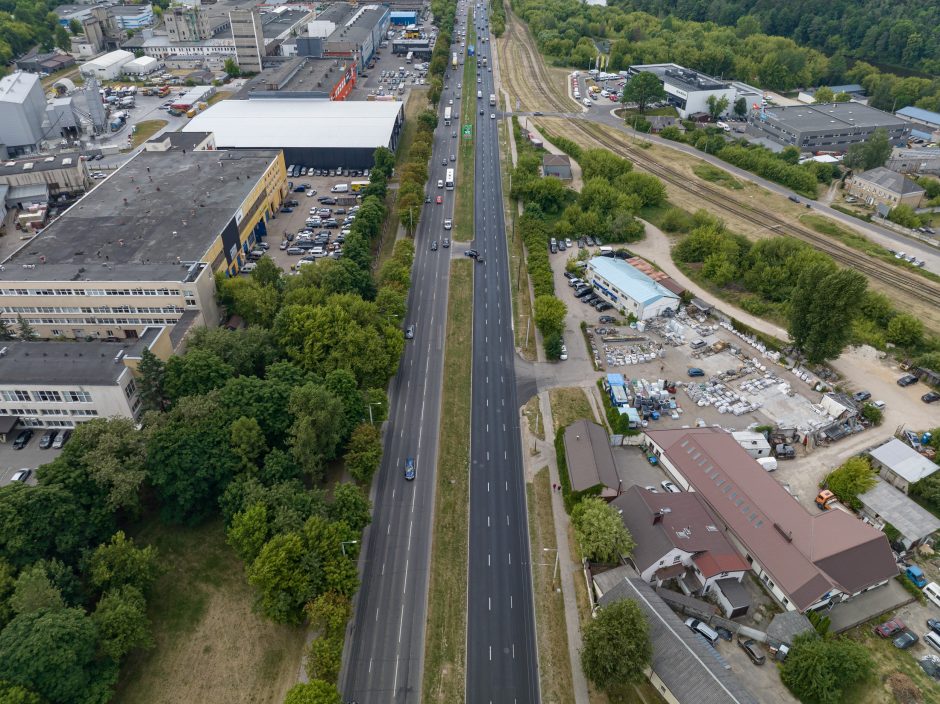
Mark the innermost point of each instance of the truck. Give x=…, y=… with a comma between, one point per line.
x=447, y=116
x=827, y=501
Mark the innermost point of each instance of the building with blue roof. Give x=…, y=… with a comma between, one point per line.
x=920, y=116
x=630, y=290
x=403, y=18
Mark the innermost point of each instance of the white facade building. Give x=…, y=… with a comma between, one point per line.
x=107, y=67
x=629, y=289
x=142, y=66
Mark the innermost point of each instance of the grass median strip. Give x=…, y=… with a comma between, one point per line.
x=445, y=653
x=463, y=205
x=554, y=662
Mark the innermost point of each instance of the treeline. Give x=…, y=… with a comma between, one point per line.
x=28, y=23
x=824, y=307
x=444, y=12
x=902, y=33
x=413, y=174
x=497, y=18
x=566, y=32
x=244, y=425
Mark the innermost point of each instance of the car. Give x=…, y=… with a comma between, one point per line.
x=603, y=305
x=285, y=209
x=930, y=397
x=448, y=223
x=564, y=353
x=439, y=200
x=651, y=489
x=434, y=245
x=284, y=245
x=752, y=649
x=695, y=371
x=607, y=319
x=907, y=380
x=934, y=625
x=492, y=115
x=311, y=193
x=890, y=628
x=724, y=633
x=905, y=640
x=481, y=111
x=472, y=253
x=444, y=161
x=410, y=471
x=22, y=440
x=669, y=487
x=45, y=442
x=328, y=201
x=446, y=243
x=21, y=475
x=453, y=134
x=860, y=396
x=410, y=332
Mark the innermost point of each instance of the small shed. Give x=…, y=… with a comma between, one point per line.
x=589, y=459
x=900, y=464
x=785, y=627
x=558, y=165
x=884, y=504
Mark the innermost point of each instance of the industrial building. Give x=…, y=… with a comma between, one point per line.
x=921, y=117
x=248, y=38
x=688, y=90
x=881, y=186
x=805, y=561
x=131, y=17
x=192, y=24
x=35, y=62
x=302, y=77
x=319, y=133
x=346, y=31
x=629, y=290
x=403, y=18
x=107, y=67
x=901, y=465
x=831, y=127
x=22, y=109
x=63, y=174
x=59, y=385
x=142, y=66
x=194, y=96
x=143, y=247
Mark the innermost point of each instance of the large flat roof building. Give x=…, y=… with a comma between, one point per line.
x=630, y=290
x=831, y=127
x=22, y=110
x=311, y=132
x=302, y=77
x=688, y=90
x=143, y=247
x=346, y=31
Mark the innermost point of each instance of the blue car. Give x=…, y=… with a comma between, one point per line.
x=410, y=468
x=695, y=371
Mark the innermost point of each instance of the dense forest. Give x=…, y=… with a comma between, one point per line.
x=900, y=32
x=570, y=33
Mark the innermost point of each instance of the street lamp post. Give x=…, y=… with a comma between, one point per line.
x=345, y=543
x=377, y=403
x=555, y=570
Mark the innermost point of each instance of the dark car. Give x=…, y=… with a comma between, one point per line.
x=752, y=649
x=410, y=332
x=22, y=440
x=446, y=243
x=285, y=209
x=695, y=371
x=934, y=625
x=21, y=475
x=48, y=437
x=905, y=640
x=570, y=275
x=907, y=380
x=471, y=253
x=410, y=471
x=607, y=319
x=723, y=633
x=930, y=397
x=860, y=396
x=434, y=246
x=328, y=201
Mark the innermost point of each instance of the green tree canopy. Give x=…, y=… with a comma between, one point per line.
x=194, y=373
x=855, y=476
x=822, y=306
x=549, y=315
x=717, y=106
x=314, y=692
x=644, y=88
x=120, y=563
x=600, y=532
x=121, y=619
x=364, y=452
x=873, y=152
x=617, y=648
x=822, y=670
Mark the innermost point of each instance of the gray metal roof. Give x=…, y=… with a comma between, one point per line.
x=890, y=180
x=905, y=514
x=785, y=627
x=15, y=87
x=831, y=116
x=685, y=664
x=903, y=460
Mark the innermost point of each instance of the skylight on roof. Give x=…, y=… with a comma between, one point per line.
x=711, y=529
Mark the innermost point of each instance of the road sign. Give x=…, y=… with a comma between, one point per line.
x=467, y=131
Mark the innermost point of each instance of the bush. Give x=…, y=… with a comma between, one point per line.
x=911, y=588
x=676, y=220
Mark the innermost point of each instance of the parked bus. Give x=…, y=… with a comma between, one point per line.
x=449, y=180
x=453, y=61
x=447, y=113
x=357, y=186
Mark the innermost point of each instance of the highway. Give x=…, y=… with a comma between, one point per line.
x=502, y=662
x=385, y=640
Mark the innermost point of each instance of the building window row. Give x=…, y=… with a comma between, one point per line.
x=94, y=321
x=92, y=292
x=22, y=396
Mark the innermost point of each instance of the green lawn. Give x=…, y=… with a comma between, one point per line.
x=568, y=405
x=445, y=655
x=716, y=175
x=145, y=130
x=211, y=646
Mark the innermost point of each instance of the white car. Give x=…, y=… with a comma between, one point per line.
x=670, y=488
x=448, y=224
x=492, y=115
x=311, y=193
x=564, y=353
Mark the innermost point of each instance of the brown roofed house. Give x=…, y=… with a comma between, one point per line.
x=589, y=459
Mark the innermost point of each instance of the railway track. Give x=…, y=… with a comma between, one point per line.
x=524, y=54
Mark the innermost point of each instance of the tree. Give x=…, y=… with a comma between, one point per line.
x=315, y=434
x=314, y=692
x=383, y=161
x=600, y=532
x=121, y=619
x=363, y=452
x=740, y=107
x=5, y=332
x=822, y=305
x=342, y=384
x=822, y=670
x=282, y=577
x=351, y=505
x=266, y=273
x=872, y=414
x=905, y=216
x=195, y=373
x=62, y=39
x=249, y=531
x=644, y=88
x=841, y=98
x=617, y=648
x=868, y=154
x=24, y=329
x=328, y=613
x=855, y=476
x=231, y=68
x=150, y=375
x=75, y=27
x=324, y=658
x=14, y=694
x=824, y=95
x=52, y=652
x=906, y=330
x=35, y=591
x=248, y=442
x=716, y=106
x=550, y=315
x=120, y=563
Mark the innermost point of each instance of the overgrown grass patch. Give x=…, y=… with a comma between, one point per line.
x=145, y=130
x=568, y=405
x=711, y=173
x=445, y=656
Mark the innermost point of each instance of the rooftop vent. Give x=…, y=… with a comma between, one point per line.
x=27, y=166
x=785, y=533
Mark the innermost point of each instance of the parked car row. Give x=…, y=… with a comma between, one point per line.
x=295, y=170
x=586, y=293
x=51, y=439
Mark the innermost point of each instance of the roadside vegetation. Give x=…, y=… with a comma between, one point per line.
x=716, y=175
x=144, y=131
x=445, y=655
x=466, y=148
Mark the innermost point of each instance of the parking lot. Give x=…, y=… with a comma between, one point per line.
x=387, y=70
x=30, y=457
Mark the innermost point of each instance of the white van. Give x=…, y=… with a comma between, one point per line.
x=933, y=640
x=479, y=95
x=702, y=629
x=932, y=592
x=340, y=188
x=606, y=250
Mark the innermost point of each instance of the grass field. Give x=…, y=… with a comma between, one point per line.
x=889, y=660
x=445, y=654
x=533, y=415
x=145, y=130
x=552, y=634
x=211, y=647
x=219, y=96
x=716, y=175
x=568, y=405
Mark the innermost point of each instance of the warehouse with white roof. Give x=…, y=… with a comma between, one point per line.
x=108, y=66
x=630, y=290
x=318, y=133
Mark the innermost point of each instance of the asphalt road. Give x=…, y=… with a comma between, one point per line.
x=502, y=662
x=385, y=640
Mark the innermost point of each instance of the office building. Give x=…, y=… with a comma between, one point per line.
x=143, y=248
x=629, y=290
x=688, y=90
x=831, y=127
x=22, y=110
